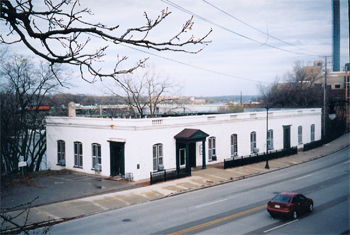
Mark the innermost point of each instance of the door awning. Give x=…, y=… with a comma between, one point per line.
x=191, y=135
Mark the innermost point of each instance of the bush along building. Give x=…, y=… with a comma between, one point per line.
x=139, y=148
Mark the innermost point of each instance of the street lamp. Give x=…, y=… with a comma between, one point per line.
x=332, y=113
x=267, y=136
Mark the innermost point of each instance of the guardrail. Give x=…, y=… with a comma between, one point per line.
x=255, y=158
x=169, y=174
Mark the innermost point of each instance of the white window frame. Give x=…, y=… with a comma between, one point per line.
x=211, y=147
x=252, y=141
x=78, y=154
x=157, y=156
x=61, y=151
x=300, y=134
x=96, y=155
x=270, y=139
x=234, y=145
x=312, y=132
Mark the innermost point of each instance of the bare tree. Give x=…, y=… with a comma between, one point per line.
x=231, y=108
x=23, y=89
x=65, y=38
x=146, y=90
x=9, y=224
x=297, y=88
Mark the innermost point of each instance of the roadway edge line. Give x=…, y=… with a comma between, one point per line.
x=282, y=225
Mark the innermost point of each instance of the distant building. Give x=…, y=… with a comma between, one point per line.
x=38, y=107
x=335, y=80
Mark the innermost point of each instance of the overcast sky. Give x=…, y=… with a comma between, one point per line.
x=239, y=56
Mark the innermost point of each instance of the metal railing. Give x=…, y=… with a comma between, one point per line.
x=255, y=158
x=169, y=174
x=312, y=145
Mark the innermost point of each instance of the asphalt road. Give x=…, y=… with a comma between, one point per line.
x=238, y=207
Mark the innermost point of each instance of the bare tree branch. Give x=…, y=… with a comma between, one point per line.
x=296, y=88
x=69, y=29
x=146, y=89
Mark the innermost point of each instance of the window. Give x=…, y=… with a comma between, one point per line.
x=270, y=139
x=337, y=86
x=61, y=152
x=300, y=134
x=296, y=199
x=96, y=155
x=252, y=141
x=157, y=156
x=182, y=156
x=282, y=198
x=212, y=147
x=312, y=132
x=234, y=148
x=78, y=154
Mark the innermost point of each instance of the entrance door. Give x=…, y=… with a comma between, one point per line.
x=286, y=137
x=117, y=158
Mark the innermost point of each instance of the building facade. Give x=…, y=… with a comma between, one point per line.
x=140, y=146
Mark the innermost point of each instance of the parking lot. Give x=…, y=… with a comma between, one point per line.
x=56, y=188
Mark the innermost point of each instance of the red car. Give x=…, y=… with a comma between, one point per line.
x=289, y=204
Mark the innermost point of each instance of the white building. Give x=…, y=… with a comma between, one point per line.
x=141, y=146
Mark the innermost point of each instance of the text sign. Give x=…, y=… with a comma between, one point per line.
x=22, y=164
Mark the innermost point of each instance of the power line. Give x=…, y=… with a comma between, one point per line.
x=229, y=30
x=193, y=66
x=255, y=28
x=179, y=62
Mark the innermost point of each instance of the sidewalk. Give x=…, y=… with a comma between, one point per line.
x=213, y=175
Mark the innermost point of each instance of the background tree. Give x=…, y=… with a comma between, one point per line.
x=146, y=90
x=231, y=108
x=63, y=35
x=297, y=89
x=23, y=88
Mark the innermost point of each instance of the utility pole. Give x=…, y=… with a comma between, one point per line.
x=267, y=137
x=347, y=82
x=324, y=98
x=241, y=99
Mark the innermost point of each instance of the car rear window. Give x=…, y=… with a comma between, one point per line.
x=281, y=198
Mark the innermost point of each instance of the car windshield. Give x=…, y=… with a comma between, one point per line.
x=281, y=198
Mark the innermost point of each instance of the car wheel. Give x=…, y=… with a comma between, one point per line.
x=311, y=207
x=295, y=215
